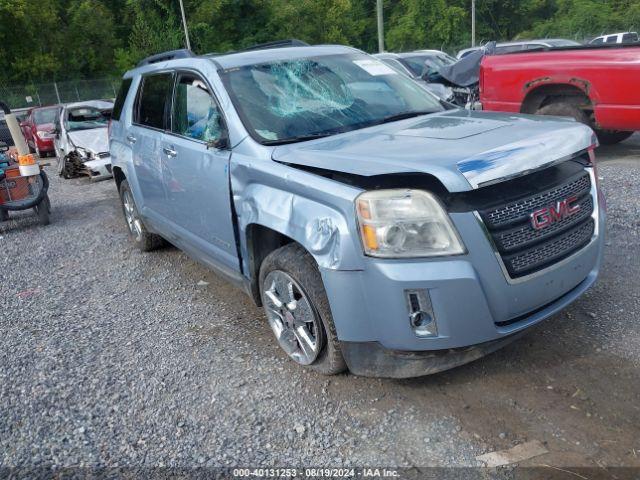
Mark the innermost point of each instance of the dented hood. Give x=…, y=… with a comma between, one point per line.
x=463, y=149
x=94, y=139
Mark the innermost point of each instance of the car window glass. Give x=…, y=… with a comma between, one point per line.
x=195, y=112
x=323, y=95
x=598, y=40
x=122, y=95
x=509, y=48
x=153, y=99
x=612, y=39
x=630, y=37
x=43, y=116
x=86, y=118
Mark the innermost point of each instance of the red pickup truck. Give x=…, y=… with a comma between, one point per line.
x=599, y=86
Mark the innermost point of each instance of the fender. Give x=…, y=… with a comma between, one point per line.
x=317, y=214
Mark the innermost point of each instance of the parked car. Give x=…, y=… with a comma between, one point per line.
x=418, y=64
x=624, y=37
x=577, y=82
x=82, y=139
x=380, y=230
x=524, y=45
x=37, y=128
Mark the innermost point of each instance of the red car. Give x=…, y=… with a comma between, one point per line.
x=598, y=86
x=38, y=127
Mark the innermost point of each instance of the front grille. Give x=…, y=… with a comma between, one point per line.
x=517, y=211
x=524, y=249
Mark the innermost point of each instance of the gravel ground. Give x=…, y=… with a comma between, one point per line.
x=112, y=357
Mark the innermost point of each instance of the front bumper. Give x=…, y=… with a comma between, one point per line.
x=99, y=169
x=474, y=303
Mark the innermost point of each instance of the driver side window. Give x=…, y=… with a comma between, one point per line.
x=195, y=112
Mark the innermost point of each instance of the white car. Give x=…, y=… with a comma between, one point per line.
x=623, y=37
x=82, y=140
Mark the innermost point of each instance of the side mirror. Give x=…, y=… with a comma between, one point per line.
x=23, y=124
x=221, y=143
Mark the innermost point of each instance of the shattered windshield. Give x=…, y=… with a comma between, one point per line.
x=295, y=100
x=85, y=118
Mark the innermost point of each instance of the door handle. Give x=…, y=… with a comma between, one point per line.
x=131, y=139
x=169, y=151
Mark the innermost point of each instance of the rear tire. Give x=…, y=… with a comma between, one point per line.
x=564, y=109
x=289, y=276
x=142, y=238
x=4, y=215
x=611, y=137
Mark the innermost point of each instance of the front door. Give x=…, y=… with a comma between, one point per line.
x=196, y=171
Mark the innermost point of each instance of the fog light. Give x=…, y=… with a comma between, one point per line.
x=421, y=317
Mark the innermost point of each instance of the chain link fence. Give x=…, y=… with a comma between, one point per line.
x=26, y=96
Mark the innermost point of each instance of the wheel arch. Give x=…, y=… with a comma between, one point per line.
x=260, y=242
x=545, y=93
x=118, y=176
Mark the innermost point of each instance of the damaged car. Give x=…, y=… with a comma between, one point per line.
x=82, y=140
x=381, y=230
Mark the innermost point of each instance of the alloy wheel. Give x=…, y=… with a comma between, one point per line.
x=131, y=215
x=292, y=317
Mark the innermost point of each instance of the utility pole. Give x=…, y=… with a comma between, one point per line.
x=473, y=23
x=184, y=24
x=380, y=26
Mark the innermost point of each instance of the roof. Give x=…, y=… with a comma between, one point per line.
x=90, y=103
x=251, y=57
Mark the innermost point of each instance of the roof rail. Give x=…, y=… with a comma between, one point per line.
x=164, y=56
x=291, y=42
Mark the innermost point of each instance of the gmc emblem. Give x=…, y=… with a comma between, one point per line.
x=546, y=216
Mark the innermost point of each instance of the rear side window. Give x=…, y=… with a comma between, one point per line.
x=630, y=37
x=120, y=98
x=152, y=103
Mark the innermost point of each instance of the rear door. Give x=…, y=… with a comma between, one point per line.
x=196, y=170
x=145, y=137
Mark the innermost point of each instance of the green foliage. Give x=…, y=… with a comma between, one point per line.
x=47, y=40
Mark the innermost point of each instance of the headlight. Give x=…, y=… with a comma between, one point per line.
x=405, y=223
x=43, y=134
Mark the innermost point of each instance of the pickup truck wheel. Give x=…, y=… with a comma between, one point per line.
x=297, y=309
x=610, y=137
x=564, y=109
x=143, y=239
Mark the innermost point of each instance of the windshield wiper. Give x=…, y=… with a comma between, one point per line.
x=298, y=138
x=401, y=116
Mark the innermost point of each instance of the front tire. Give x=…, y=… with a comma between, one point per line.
x=142, y=238
x=297, y=309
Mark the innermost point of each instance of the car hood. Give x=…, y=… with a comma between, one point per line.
x=463, y=149
x=94, y=139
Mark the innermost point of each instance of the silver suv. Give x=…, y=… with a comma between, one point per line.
x=380, y=230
